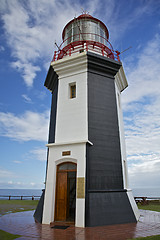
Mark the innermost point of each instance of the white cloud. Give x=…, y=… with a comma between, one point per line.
x=144, y=77
x=119, y=18
x=2, y=48
x=17, y=162
x=10, y=182
x=28, y=71
x=20, y=185
x=40, y=94
x=26, y=98
x=30, y=32
x=141, y=114
x=6, y=174
x=39, y=154
x=10, y=179
x=26, y=127
x=32, y=184
x=143, y=133
x=143, y=141
x=145, y=172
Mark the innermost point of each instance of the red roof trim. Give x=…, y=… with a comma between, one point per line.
x=86, y=16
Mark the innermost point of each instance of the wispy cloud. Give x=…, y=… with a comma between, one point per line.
x=2, y=49
x=20, y=185
x=40, y=94
x=6, y=174
x=26, y=127
x=145, y=172
x=143, y=77
x=27, y=70
x=18, y=162
x=119, y=19
x=39, y=154
x=26, y=98
x=143, y=141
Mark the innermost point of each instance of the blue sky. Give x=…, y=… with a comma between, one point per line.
x=28, y=30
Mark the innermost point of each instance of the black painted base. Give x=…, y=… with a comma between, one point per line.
x=39, y=210
x=108, y=208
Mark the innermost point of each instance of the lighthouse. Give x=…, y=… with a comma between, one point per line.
x=86, y=176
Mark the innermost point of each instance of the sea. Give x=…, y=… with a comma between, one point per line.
x=146, y=192
x=20, y=192
x=137, y=192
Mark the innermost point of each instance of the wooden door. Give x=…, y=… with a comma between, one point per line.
x=61, y=197
x=65, y=203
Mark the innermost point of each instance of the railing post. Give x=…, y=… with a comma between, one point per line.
x=117, y=55
x=86, y=46
x=70, y=50
x=102, y=52
x=59, y=54
x=55, y=53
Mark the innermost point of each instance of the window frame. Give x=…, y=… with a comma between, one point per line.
x=72, y=90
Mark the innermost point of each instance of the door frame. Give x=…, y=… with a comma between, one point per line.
x=65, y=171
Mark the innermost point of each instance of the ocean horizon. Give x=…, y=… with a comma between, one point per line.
x=137, y=192
x=20, y=192
x=146, y=192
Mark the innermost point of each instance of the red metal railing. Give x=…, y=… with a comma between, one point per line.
x=79, y=44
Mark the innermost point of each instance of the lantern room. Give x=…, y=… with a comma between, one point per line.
x=85, y=33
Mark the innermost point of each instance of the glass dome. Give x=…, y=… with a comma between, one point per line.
x=85, y=27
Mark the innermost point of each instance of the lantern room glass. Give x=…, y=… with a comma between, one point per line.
x=85, y=29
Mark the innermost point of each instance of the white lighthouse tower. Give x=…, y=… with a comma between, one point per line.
x=86, y=179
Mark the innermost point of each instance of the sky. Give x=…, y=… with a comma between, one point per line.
x=28, y=31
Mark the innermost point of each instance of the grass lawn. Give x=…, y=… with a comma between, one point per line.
x=7, y=236
x=154, y=205
x=157, y=237
x=12, y=206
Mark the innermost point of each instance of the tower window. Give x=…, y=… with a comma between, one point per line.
x=73, y=90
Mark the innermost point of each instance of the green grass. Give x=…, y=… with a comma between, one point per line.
x=21, y=202
x=153, y=205
x=157, y=237
x=12, y=206
x=7, y=236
